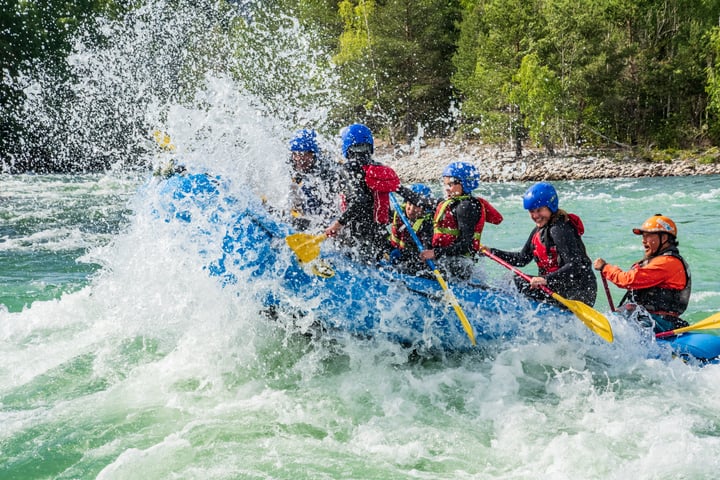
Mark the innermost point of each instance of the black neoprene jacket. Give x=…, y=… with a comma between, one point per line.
x=574, y=279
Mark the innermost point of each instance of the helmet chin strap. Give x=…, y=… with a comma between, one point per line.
x=664, y=243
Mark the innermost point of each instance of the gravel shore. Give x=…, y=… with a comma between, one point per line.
x=426, y=164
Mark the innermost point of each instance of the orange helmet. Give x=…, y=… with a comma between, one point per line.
x=657, y=224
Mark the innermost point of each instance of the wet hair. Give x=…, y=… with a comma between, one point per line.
x=558, y=214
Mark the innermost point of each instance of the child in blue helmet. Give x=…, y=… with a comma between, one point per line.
x=459, y=220
x=314, y=182
x=404, y=254
x=557, y=248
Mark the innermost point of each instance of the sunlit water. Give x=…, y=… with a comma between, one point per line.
x=120, y=357
x=143, y=366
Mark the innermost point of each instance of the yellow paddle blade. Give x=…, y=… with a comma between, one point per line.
x=163, y=140
x=452, y=299
x=305, y=245
x=594, y=320
x=709, y=323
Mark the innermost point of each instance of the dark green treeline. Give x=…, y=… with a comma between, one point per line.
x=555, y=72
x=551, y=73
x=35, y=40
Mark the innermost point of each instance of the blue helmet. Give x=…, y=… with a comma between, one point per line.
x=355, y=138
x=466, y=173
x=541, y=194
x=304, y=141
x=421, y=189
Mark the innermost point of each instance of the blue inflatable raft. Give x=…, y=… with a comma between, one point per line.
x=242, y=242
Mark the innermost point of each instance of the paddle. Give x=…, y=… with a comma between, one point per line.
x=452, y=299
x=163, y=140
x=607, y=293
x=594, y=320
x=305, y=245
x=711, y=322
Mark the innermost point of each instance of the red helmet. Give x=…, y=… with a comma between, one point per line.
x=657, y=224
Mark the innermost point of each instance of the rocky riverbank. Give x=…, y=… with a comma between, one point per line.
x=426, y=164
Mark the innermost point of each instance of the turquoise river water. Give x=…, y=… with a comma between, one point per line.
x=120, y=358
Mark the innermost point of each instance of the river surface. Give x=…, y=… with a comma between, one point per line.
x=120, y=358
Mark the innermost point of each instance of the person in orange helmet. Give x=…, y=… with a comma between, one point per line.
x=660, y=282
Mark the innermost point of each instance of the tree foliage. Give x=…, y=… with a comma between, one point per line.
x=554, y=72
x=628, y=71
x=395, y=60
x=536, y=91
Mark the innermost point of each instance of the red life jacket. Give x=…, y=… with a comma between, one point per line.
x=446, y=230
x=381, y=180
x=546, y=257
x=399, y=236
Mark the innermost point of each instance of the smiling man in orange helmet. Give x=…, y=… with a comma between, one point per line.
x=660, y=282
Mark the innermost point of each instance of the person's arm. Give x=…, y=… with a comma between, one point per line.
x=426, y=232
x=417, y=199
x=330, y=182
x=658, y=271
x=517, y=259
x=571, y=253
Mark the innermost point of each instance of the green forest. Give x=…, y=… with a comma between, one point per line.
x=548, y=74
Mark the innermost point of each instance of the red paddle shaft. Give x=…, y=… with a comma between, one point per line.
x=515, y=270
x=607, y=293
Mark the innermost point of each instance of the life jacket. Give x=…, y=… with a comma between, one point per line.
x=399, y=236
x=381, y=180
x=307, y=197
x=446, y=230
x=546, y=255
x=665, y=301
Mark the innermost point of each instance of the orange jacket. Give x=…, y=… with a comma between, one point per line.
x=663, y=271
x=662, y=284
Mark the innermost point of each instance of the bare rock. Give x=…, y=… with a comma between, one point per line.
x=426, y=164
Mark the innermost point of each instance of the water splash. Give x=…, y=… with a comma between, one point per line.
x=163, y=57
x=155, y=371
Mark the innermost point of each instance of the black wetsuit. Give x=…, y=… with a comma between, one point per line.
x=366, y=238
x=574, y=279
